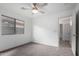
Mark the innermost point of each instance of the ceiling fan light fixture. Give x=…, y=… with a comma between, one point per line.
x=34, y=11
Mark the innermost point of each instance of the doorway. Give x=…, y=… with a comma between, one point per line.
x=65, y=29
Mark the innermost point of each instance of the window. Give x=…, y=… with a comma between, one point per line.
x=11, y=26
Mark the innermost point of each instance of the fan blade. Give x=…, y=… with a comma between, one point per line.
x=25, y=8
x=42, y=12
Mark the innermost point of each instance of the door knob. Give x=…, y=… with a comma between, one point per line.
x=75, y=35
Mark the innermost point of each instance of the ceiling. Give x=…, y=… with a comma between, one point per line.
x=58, y=7
x=50, y=8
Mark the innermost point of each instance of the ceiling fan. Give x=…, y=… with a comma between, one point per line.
x=36, y=7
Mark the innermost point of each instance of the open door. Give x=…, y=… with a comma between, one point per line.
x=77, y=34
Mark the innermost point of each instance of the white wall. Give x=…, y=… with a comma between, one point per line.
x=10, y=41
x=46, y=28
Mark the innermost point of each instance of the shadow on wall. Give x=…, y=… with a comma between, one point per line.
x=45, y=36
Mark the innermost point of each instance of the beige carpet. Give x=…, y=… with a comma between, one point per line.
x=34, y=49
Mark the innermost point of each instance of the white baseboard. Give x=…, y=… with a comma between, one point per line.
x=46, y=43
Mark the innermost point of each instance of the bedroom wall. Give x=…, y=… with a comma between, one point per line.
x=10, y=41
